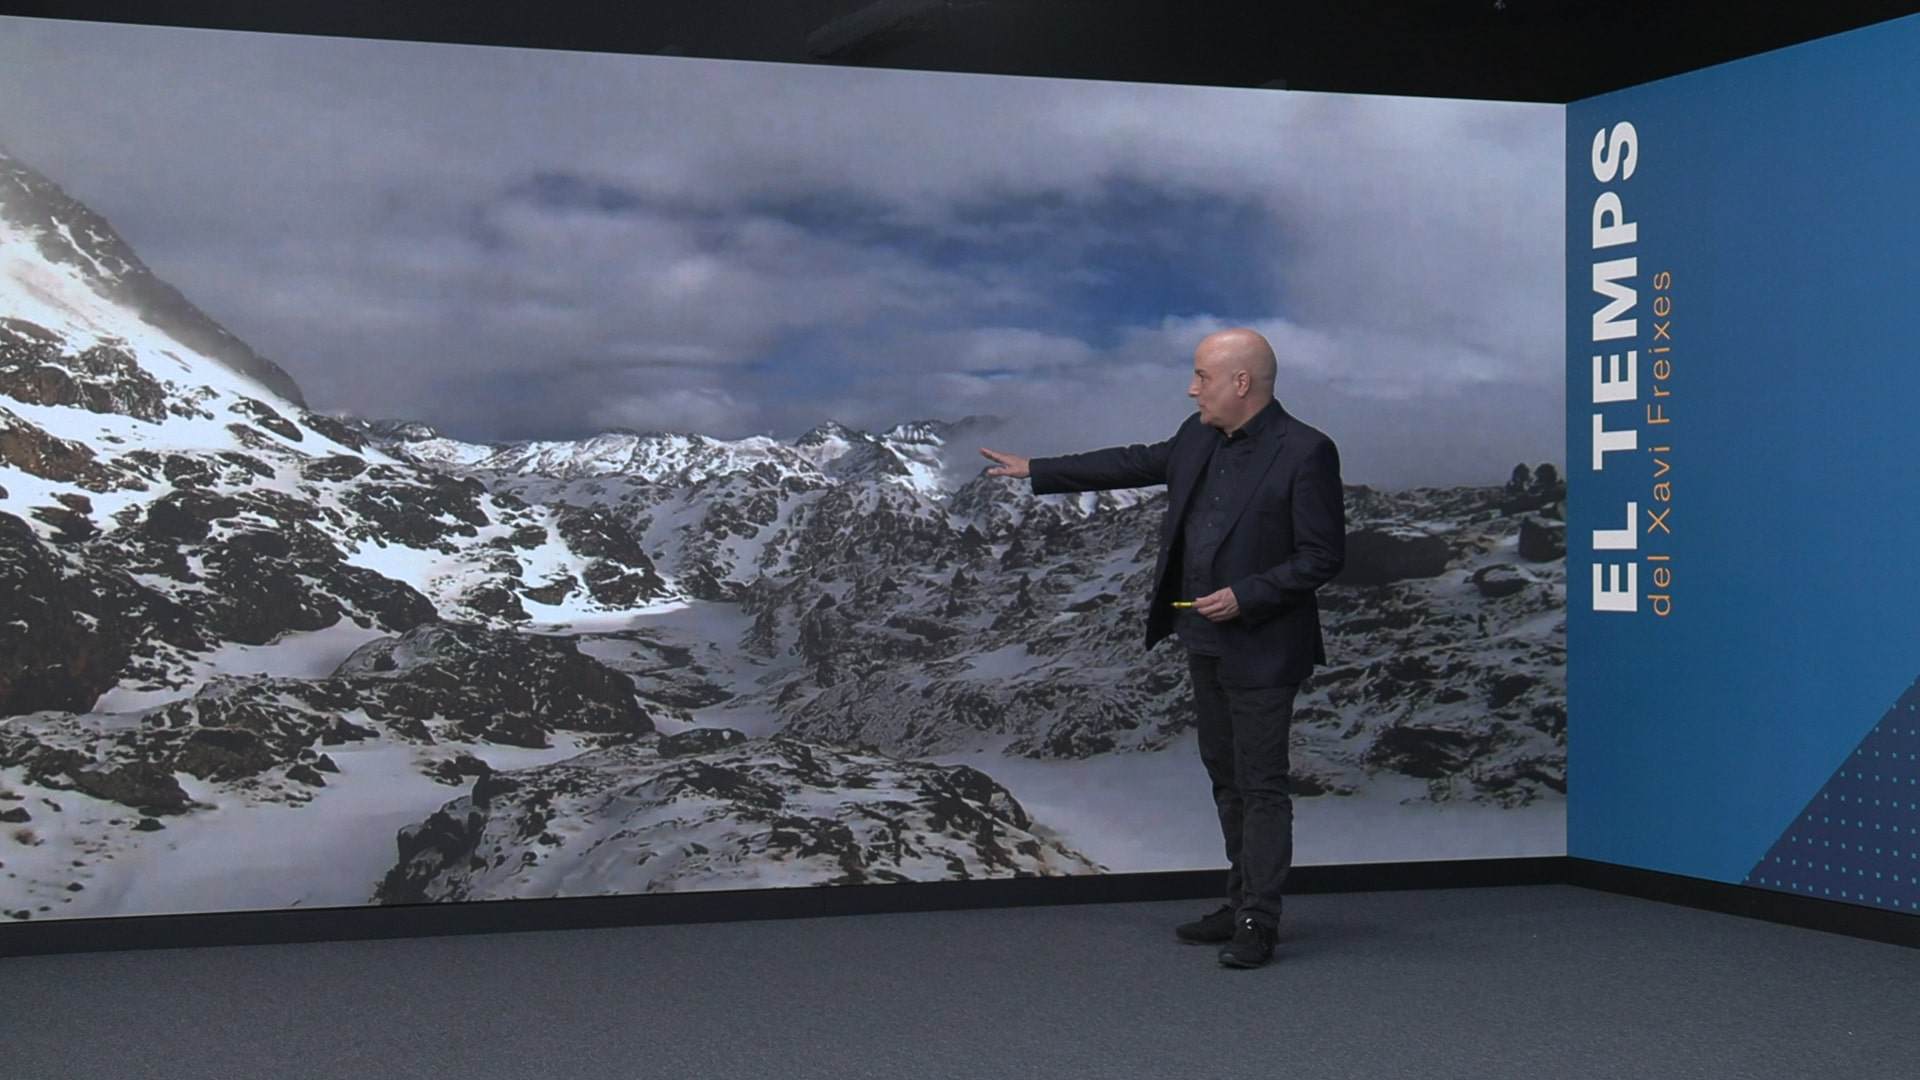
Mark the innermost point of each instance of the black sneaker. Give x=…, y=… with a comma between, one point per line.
x=1251, y=947
x=1208, y=930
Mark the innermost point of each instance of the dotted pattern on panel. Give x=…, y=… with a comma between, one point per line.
x=1858, y=839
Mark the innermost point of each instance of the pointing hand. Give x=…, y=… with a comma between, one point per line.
x=1008, y=464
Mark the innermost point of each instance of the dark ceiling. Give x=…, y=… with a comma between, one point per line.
x=1533, y=50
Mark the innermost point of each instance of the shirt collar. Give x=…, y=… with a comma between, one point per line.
x=1256, y=426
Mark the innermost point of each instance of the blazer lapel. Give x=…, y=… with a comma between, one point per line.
x=1263, y=465
x=1186, y=470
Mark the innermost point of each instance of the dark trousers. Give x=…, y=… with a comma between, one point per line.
x=1243, y=742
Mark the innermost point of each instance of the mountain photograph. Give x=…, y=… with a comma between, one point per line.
x=493, y=494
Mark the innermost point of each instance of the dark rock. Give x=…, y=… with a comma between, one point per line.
x=246, y=464
x=27, y=448
x=334, y=429
x=334, y=468
x=69, y=631
x=139, y=785
x=148, y=824
x=16, y=816
x=221, y=753
x=1542, y=540
x=264, y=415
x=260, y=590
x=395, y=605
x=103, y=379
x=186, y=516
x=1550, y=717
x=700, y=740
x=491, y=785
x=70, y=527
x=447, y=837
x=1380, y=556
x=928, y=629
x=620, y=573
x=344, y=731
x=1426, y=751
x=424, y=512
x=498, y=601
x=1504, y=689
x=1092, y=603
x=306, y=774
x=555, y=592
x=1306, y=784
x=455, y=770
x=1499, y=580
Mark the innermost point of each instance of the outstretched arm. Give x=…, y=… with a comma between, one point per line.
x=1139, y=465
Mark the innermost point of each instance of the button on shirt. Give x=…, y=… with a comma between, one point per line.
x=1222, y=488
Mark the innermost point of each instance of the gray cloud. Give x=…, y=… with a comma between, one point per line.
x=370, y=214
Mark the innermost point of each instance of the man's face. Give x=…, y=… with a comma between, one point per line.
x=1215, y=389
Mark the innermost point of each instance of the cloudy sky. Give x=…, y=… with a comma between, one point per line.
x=517, y=244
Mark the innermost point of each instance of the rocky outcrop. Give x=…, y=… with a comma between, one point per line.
x=496, y=685
x=1380, y=555
x=757, y=813
x=104, y=379
x=435, y=683
x=1542, y=539
x=66, y=633
x=33, y=451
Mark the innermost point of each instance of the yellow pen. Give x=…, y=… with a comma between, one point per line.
x=1183, y=603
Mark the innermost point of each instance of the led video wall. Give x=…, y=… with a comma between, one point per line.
x=433, y=473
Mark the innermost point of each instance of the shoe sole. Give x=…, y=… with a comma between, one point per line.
x=1242, y=965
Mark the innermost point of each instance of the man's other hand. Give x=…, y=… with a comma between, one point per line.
x=1218, y=606
x=1008, y=464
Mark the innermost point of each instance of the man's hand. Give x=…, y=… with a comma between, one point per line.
x=1008, y=464
x=1218, y=606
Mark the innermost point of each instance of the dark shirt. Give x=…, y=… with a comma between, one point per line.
x=1222, y=486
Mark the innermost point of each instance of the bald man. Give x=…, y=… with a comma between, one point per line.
x=1256, y=521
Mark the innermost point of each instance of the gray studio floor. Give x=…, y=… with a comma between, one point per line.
x=1548, y=981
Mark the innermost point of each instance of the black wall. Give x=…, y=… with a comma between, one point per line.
x=1524, y=50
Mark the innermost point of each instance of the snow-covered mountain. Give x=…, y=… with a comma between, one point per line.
x=74, y=239
x=911, y=455
x=159, y=501
x=255, y=656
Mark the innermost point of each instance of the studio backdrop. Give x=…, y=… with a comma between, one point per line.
x=1743, y=247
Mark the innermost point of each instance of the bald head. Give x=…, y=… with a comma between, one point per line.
x=1241, y=349
x=1233, y=376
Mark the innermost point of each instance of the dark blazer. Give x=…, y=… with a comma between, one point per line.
x=1286, y=539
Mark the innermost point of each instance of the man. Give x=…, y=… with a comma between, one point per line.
x=1256, y=521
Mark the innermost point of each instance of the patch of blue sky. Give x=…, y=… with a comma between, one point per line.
x=1092, y=261
x=1120, y=254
